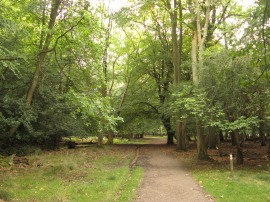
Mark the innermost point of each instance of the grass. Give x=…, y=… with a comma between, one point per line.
x=87, y=174
x=157, y=137
x=247, y=184
x=127, y=141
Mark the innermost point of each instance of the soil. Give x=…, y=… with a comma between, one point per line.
x=166, y=178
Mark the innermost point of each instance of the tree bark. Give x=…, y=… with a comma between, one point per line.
x=110, y=138
x=198, y=44
x=233, y=139
x=213, y=138
x=262, y=122
x=221, y=136
x=239, y=147
x=43, y=52
x=181, y=137
x=167, y=125
x=263, y=139
x=100, y=139
x=175, y=43
x=104, y=89
x=201, y=142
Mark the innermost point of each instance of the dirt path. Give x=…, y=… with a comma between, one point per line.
x=166, y=179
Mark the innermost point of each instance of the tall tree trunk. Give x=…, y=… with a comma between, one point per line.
x=181, y=136
x=167, y=125
x=233, y=138
x=198, y=45
x=263, y=139
x=104, y=89
x=44, y=48
x=221, y=136
x=262, y=122
x=175, y=53
x=43, y=52
x=201, y=142
x=212, y=137
x=100, y=139
x=110, y=138
x=176, y=58
x=239, y=146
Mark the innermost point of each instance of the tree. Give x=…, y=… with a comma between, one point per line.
x=152, y=59
x=67, y=64
x=44, y=48
x=198, y=46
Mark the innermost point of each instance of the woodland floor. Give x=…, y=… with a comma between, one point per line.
x=168, y=174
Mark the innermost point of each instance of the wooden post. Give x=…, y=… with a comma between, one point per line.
x=231, y=165
x=178, y=134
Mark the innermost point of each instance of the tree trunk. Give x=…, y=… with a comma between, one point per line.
x=110, y=138
x=181, y=136
x=262, y=122
x=221, y=136
x=261, y=132
x=198, y=44
x=176, y=54
x=43, y=52
x=212, y=137
x=104, y=87
x=263, y=139
x=239, y=146
x=170, y=137
x=201, y=142
x=100, y=140
x=176, y=59
x=167, y=125
x=233, y=139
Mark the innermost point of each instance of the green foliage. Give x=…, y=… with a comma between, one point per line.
x=94, y=111
x=224, y=97
x=242, y=124
x=194, y=104
x=76, y=96
x=73, y=62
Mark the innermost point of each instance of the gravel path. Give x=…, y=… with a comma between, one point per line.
x=166, y=179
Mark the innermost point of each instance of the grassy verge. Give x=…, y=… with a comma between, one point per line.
x=247, y=184
x=87, y=174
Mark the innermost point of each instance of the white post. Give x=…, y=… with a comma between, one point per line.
x=231, y=165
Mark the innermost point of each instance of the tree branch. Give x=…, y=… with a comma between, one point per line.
x=62, y=35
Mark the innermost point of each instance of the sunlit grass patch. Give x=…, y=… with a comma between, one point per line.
x=129, y=141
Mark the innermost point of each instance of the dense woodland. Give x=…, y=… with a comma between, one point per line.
x=193, y=69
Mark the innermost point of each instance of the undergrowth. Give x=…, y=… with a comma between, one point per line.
x=88, y=174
